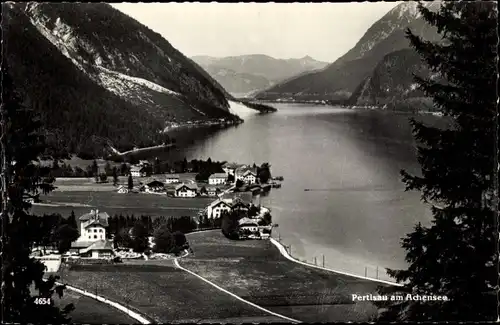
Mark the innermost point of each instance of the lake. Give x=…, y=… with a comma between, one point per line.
x=356, y=210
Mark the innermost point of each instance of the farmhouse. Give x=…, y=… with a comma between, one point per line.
x=213, y=191
x=248, y=224
x=137, y=171
x=172, y=179
x=248, y=176
x=217, y=179
x=216, y=208
x=154, y=187
x=98, y=249
x=186, y=190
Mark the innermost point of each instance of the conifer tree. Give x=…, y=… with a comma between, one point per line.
x=455, y=256
x=22, y=145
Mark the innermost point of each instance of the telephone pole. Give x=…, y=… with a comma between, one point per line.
x=5, y=198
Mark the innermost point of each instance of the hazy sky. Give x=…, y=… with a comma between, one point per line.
x=324, y=31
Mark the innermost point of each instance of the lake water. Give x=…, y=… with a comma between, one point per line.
x=357, y=209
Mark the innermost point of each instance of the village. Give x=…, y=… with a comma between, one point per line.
x=236, y=193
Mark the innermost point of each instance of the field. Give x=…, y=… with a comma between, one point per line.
x=88, y=310
x=165, y=294
x=256, y=271
x=115, y=203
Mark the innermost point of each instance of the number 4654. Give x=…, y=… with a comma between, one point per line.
x=42, y=301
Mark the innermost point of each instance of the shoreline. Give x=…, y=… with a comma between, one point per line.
x=285, y=254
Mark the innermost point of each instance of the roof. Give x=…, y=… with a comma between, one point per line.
x=99, y=222
x=155, y=183
x=193, y=187
x=172, y=176
x=92, y=214
x=217, y=175
x=245, y=197
x=100, y=245
x=217, y=202
x=212, y=189
x=247, y=221
x=136, y=169
x=81, y=244
x=231, y=165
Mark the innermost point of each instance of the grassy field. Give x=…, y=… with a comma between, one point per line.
x=256, y=271
x=115, y=203
x=90, y=311
x=165, y=294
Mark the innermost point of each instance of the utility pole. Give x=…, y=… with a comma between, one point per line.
x=323, y=260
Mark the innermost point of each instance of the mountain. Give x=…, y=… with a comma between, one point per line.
x=247, y=73
x=338, y=81
x=95, y=75
x=391, y=84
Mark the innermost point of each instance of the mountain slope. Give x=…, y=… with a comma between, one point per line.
x=89, y=80
x=391, y=84
x=338, y=81
x=247, y=73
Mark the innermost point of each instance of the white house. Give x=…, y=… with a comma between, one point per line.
x=213, y=191
x=248, y=224
x=186, y=190
x=93, y=226
x=215, y=209
x=217, y=179
x=172, y=179
x=122, y=189
x=137, y=171
x=249, y=176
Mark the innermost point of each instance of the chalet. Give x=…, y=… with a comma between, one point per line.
x=247, y=175
x=248, y=224
x=203, y=191
x=244, y=197
x=216, y=208
x=122, y=189
x=138, y=171
x=217, y=179
x=213, y=191
x=155, y=187
x=186, y=190
x=239, y=205
x=172, y=179
x=99, y=249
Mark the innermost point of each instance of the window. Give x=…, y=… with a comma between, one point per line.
x=95, y=236
x=90, y=237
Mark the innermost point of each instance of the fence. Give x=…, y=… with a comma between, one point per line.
x=367, y=271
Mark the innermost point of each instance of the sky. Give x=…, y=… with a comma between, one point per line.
x=324, y=31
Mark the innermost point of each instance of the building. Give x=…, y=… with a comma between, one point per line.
x=52, y=262
x=247, y=175
x=155, y=187
x=213, y=191
x=172, y=179
x=122, y=189
x=230, y=168
x=217, y=179
x=248, y=224
x=186, y=190
x=216, y=208
x=244, y=197
x=93, y=226
x=98, y=249
x=138, y=171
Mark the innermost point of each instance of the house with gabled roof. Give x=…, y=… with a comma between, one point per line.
x=217, y=179
x=217, y=208
x=172, y=179
x=186, y=190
